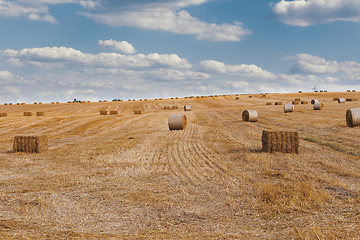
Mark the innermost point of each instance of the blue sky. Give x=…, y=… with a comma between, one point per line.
x=52, y=50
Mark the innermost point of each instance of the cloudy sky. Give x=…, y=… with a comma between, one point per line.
x=58, y=50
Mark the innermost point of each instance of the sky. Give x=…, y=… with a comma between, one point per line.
x=58, y=50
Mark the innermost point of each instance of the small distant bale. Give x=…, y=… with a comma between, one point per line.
x=318, y=106
x=304, y=102
x=353, y=90
x=295, y=102
x=237, y=98
x=177, y=122
x=284, y=142
x=114, y=112
x=10, y=104
x=278, y=103
x=250, y=116
x=30, y=144
x=325, y=90
x=40, y=102
x=100, y=100
x=300, y=91
x=40, y=114
x=174, y=107
x=321, y=91
x=297, y=99
x=313, y=101
x=70, y=102
x=250, y=96
x=316, y=91
x=57, y=102
x=3, y=114
x=268, y=103
x=167, y=107
x=5, y=104
x=353, y=117
x=341, y=100
x=288, y=108
x=160, y=99
x=88, y=101
x=187, y=108
x=52, y=102
x=349, y=99
x=104, y=100
x=17, y=103
x=336, y=99
x=103, y=112
x=35, y=102
x=137, y=112
x=348, y=90
x=23, y=103
x=28, y=114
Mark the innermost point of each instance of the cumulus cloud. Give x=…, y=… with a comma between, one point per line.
x=310, y=12
x=7, y=77
x=60, y=56
x=164, y=15
x=122, y=46
x=243, y=70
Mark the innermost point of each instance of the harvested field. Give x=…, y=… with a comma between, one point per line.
x=129, y=177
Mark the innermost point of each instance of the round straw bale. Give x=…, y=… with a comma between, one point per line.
x=349, y=99
x=314, y=101
x=177, y=122
x=300, y=91
x=353, y=117
x=28, y=114
x=321, y=91
x=341, y=100
x=57, y=102
x=167, y=107
x=250, y=115
x=5, y=104
x=318, y=106
x=35, y=102
x=237, y=98
x=10, y=104
x=250, y=96
x=40, y=102
x=325, y=90
x=52, y=102
x=288, y=108
x=336, y=99
x=23, y=103
x=17, y=103
x=40, y=114
x=187, y=108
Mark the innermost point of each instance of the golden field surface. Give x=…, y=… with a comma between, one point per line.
x=127, y=176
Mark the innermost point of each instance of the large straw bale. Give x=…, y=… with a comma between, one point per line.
x=288, y=108
x=30, y=144
x=285, y=142
x=341, y=100
x=250, y=116
x=3, y=114
x=28, y=114
x=318, y=106
x=353, y=117
x=313, y=101
x=187, y=108
x=177, y=122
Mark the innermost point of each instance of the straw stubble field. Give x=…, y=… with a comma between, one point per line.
x=127, y=176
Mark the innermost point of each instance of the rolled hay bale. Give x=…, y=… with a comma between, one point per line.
x=105, y=101
x=167, y=107
x=284, y=142
x=57, y=102
x=100, y=100
x=341, y=100
x=325, y=90
x=28, y=114
x=278, y=103
x=35, y=102
x=174, y=107
x=5, y=104
x=288, y=108
x=17, y=103
x=304, y=102
x=23, y=103
x=250, y=116
x=40, y=114
x=103, y=112
x=348, y=90
x=318, y=106
x=114, y=112
x=316, y=91
x=10, y=104
x=314, y=101
x=300, y=91
x=336, y=99
x=353, y=117
x=30, y=144
x=3, y=114
x=187, y=108
x=40, y=102
x=137, y=112
x=237, y=98
x=52, y=102
x=268, y=103
x=321, y=91
x=177, y=122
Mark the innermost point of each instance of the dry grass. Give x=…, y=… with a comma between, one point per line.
x=132, y=178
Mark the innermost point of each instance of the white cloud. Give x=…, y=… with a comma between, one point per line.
x=310, y=12
x=238, y=85
x=7, y=77
x=60, y=56
x=167, y=16
x=122, y=46
x=308, y=64
x=243, y=70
